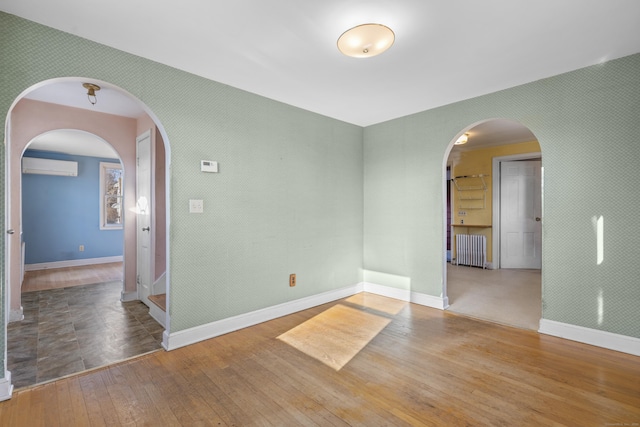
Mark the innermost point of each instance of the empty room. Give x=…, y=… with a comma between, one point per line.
x=324, y=213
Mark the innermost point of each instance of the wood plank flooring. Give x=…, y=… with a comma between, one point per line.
x=56, y=278
x=425, y=368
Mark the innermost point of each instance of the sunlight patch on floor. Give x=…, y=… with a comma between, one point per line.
x=336, y=335
x=377, y=302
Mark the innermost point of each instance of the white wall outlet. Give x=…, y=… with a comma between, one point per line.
x=196, y=206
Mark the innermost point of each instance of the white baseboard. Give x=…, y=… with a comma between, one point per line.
x=158, y=314
x=16, y=315
x=200, y=333
x=590, y=336
x=387, y=291
x=6, y=388
x=128, y=296
x=179, y=339
x=407, y=295
x=165, y=340
x=72, y=263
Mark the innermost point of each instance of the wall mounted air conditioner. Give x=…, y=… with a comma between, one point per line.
x=49, y=167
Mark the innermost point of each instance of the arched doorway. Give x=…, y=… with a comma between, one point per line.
x=59, y=210
x=58, y=103
x=481, y=281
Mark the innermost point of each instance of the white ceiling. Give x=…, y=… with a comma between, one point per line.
x=444, y=52
x=72, y=141
x=493, y=133
x=72, y=94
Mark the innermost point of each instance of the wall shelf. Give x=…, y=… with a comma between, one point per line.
x=472, y=191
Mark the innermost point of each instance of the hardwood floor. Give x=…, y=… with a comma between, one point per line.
x=56, y=278
x=426, y=367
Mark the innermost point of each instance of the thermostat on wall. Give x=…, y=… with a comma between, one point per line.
x=208, y=166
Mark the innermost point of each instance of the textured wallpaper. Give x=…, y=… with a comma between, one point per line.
x=287, y=199
x=289, y=195
x=587, y=123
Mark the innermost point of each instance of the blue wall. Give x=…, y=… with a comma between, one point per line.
x=60, y=213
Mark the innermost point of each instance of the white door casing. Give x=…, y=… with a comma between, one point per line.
x=143, y=209
x=520, y=214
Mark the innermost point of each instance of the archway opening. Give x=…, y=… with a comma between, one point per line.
x=62, y=104
x=494, y=264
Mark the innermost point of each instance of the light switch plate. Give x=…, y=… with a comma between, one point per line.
x=196, y=206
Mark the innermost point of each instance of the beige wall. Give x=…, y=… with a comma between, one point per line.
x=31, y=118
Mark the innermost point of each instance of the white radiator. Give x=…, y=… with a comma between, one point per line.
x=471, y=249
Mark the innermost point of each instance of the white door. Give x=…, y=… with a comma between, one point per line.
x=520, y=214
x=143, y=206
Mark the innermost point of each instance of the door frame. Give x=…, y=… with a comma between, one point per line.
x=495, y=171
x=452, y=207
x=151, y=255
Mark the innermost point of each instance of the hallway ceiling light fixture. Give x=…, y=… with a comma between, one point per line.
x=462, y=140
x=91, y=92
x=366, y=40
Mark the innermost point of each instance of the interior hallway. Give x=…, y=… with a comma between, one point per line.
x=510, y=297
x=74, y=328
x=55, y=278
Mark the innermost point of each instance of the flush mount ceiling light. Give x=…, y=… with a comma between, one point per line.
x=366, y=40
x=91, y=92
x=463, y=139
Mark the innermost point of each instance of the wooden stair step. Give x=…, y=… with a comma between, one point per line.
x=160, y=300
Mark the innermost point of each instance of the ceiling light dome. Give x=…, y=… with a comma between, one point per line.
x=462, y=140
x=366, y=40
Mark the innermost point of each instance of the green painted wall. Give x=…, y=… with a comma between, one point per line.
x=288, y=198
x=587, y=123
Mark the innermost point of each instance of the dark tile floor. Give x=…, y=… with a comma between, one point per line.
x=73, y=329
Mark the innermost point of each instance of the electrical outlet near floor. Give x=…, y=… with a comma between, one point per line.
x=292, y=280
x=81, y=248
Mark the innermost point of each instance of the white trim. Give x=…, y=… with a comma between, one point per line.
x=174, y=340
x=103, y=168
x=590, y=336
x=6, y=388
x=407, y=295
x=158, y=314
x=165, y=339
x=16, y=315
x=171, y=341
x=387, y=291
x=495, y=202
x=430, y=301
x=73, y=263
x=128, y=296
